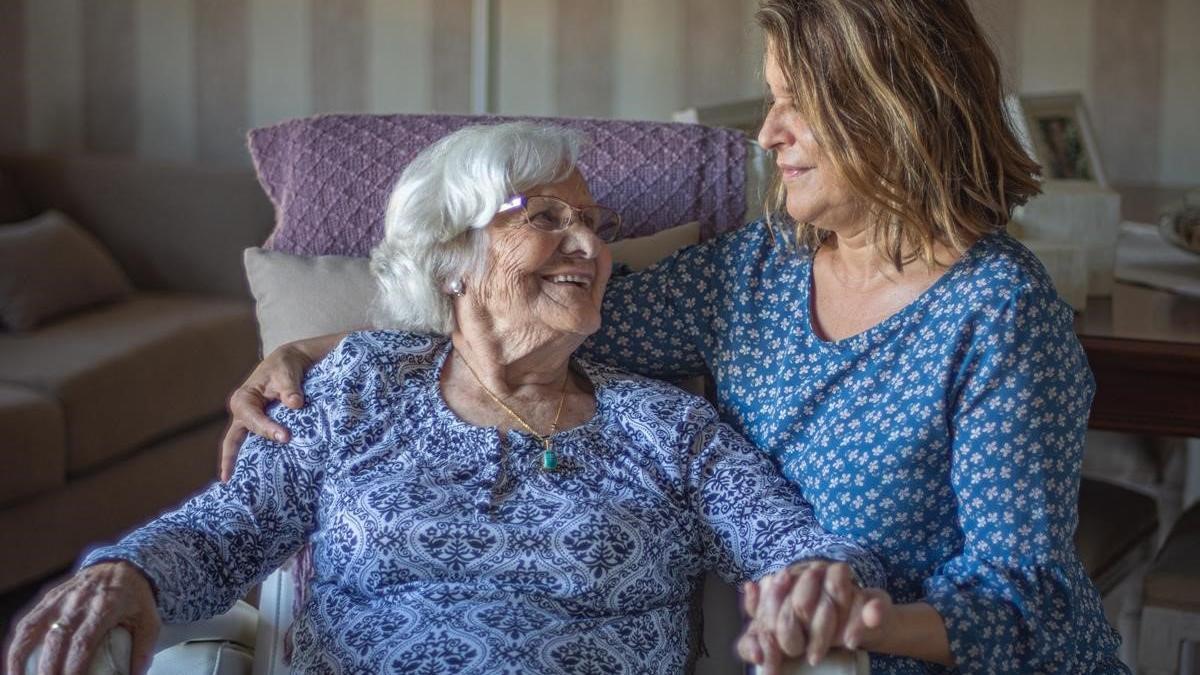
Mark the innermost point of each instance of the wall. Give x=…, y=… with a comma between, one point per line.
x=1137, y=64
x=183, y=79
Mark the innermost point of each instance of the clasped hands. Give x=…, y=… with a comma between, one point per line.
x=806, y=609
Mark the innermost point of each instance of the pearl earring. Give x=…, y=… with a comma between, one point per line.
x=457, y=289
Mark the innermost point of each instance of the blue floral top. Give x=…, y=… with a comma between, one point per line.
x=947, y=438
x=441, y=547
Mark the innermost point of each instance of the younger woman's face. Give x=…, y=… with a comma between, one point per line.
x=816, y=193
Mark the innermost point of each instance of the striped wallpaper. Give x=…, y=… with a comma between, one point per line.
x=182, y=80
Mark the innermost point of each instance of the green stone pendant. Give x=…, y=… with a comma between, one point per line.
x=549, y=460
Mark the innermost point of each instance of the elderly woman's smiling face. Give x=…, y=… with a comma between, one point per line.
x=537, y=282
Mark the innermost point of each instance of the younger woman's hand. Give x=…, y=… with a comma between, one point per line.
x=72, y=619
x=806, y=609
x=276, y=378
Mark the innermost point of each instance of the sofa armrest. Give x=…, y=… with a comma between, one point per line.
x=181, y=648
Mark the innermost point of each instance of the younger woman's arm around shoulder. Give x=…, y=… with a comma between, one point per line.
x=277, y=377
x=660, y=322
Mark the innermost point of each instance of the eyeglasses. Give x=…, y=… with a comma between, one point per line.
x=551, y=214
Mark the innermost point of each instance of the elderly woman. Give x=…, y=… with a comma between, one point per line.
x=480, y=502
x=906, y=361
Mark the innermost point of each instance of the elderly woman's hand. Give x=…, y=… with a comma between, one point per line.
x=277, y=378
x=72, y=619
x=805, y=610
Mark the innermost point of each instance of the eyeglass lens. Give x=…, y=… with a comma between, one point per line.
x=552, y=215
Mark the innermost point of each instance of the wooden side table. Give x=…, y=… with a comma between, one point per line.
x=1143, y=346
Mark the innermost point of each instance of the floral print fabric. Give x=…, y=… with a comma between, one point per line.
x=947, y=439
x=440, y=547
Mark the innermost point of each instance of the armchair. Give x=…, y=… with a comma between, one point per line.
x=327, y=222
x=249, y=641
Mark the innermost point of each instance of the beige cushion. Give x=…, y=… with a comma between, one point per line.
x=298, y=297
x=136, y=370
x=32, y=443
x=50, y=267
x=1174, y=579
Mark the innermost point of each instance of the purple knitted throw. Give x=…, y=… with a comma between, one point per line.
x=330, y=176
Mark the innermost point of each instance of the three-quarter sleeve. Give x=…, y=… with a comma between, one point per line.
x=1016, y=598
x=753, y=520
x=656, y=321
x=203, y=556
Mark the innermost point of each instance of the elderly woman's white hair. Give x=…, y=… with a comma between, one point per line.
x=433, y=229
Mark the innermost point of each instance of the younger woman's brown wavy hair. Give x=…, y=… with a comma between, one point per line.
x=906, y=99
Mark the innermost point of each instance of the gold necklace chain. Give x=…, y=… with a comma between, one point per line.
x=549, y=460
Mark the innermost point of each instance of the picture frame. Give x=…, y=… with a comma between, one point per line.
x=1057, y=132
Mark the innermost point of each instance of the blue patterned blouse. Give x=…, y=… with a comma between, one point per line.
x=947, y=438
x=441, y=547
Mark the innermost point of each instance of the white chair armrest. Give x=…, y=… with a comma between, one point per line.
x=837, y=662
x=239, y=625
x=112, y=658
x=236, y=628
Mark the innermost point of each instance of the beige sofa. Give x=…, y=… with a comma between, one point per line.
x=110, y=415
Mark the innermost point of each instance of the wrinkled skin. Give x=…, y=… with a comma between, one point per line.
x=803, y=611
x=89, y=604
